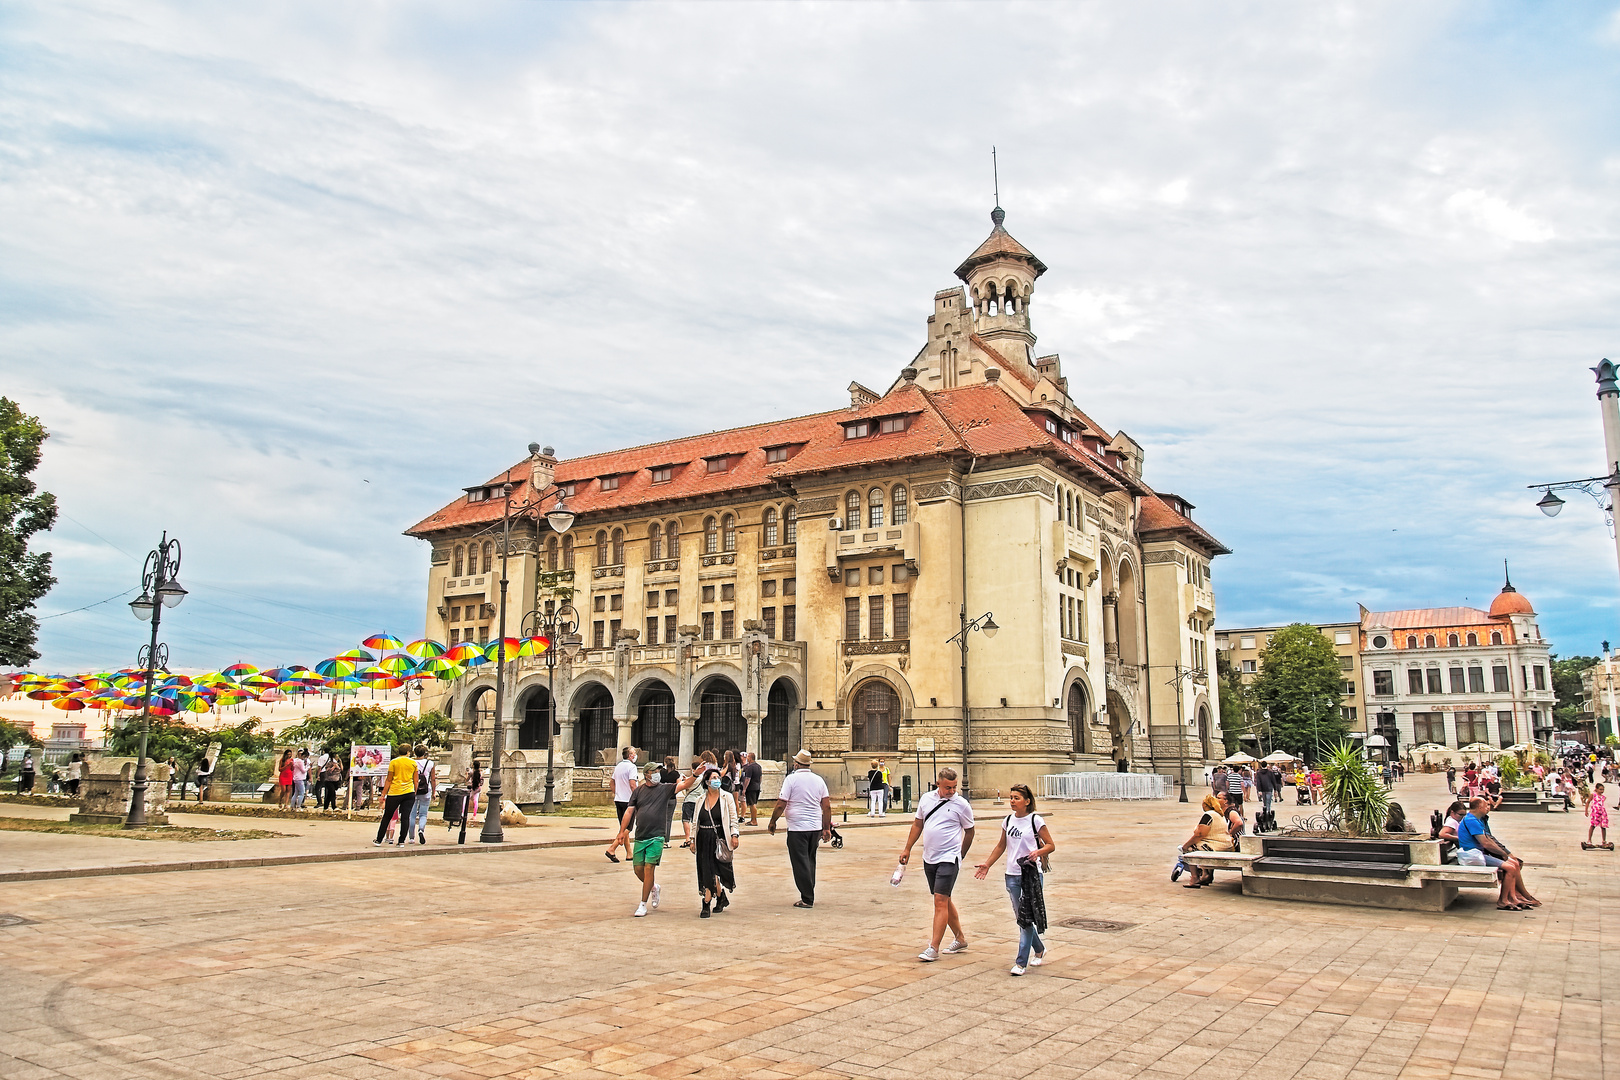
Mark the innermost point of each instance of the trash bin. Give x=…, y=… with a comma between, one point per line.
x=455, y=805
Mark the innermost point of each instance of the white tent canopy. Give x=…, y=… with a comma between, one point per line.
x=1279, y=757
x=1479, y=748
x=1239, y=758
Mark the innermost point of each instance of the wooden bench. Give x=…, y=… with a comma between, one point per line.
x=1404, y=874
x=1531, y=802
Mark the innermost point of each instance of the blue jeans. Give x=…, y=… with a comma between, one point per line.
x=419, y=815
x=1027, y=937
x=297, y=800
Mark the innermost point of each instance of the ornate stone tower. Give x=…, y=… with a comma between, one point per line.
x=1000, y=276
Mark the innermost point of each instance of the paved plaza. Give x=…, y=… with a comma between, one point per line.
x=527, y=964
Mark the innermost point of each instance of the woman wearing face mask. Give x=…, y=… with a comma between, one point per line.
x=715, y=827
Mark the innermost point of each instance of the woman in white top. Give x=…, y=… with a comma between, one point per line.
x=1024, y=835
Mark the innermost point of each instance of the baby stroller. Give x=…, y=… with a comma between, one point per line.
x=836, y=840
x=1265, y=821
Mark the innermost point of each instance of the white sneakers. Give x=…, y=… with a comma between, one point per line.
x=928, y=955
x=652, y=901
x=956, y=946
x=1035, y=961
x=641, y=910
x=1017, y=969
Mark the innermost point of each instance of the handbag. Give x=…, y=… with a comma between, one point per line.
x=722, y=845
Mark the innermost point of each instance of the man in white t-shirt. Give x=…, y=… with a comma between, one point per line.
x=805, y=800
x=625, y=781
x=944, y=821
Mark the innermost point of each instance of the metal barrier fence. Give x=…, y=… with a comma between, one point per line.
x=1105, y=785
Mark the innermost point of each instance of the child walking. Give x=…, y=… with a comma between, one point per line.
x=1597, y=817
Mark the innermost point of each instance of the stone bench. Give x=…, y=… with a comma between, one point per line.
x=1401, y=874
x=1531, y=802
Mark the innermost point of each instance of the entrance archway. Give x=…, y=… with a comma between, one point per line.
x=1203, y=730
x=594, y=728
x=1079, y=717
x=537, y=719
x=656, y=730
x=773, y=733
x=479, y=710
x=1119, y=725
x=874, y=720
x=720, y=724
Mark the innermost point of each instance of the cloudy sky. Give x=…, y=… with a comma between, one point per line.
x=281, y=278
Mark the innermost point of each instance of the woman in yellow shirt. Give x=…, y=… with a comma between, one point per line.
x=399, y=787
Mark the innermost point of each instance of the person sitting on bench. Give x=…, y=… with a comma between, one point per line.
x=1218, y=828
x=1477, y=847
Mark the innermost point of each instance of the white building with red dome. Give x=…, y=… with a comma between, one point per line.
x=1457, y=676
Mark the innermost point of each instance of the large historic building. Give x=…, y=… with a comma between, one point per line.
x=800, y=583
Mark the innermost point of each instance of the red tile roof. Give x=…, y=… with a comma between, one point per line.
x=997, y=244
x=1158, y=515
x=980, y=421
x=1442, y=618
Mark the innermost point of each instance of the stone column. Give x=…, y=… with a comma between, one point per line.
x=753, y=719
x=624, y=723
x=688, y=740
x=1111, y=625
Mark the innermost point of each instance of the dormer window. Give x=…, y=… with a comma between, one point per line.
x=774, y=454
x=1051, y=426
x=860, y=429
x=610, y=483
x=720, y=464
x=567, y=489
x=891, y=424
x=477, y=494
x=663, y=475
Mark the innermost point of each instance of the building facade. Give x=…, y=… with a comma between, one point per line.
x=1458, y=676
x=807, y=582
x=1242, y=648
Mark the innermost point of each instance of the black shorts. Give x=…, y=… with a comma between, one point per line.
x=620, y=808
x=688, y=811
x=751, y=796
x=941, y=877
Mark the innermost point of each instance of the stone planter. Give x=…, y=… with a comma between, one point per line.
x=104, y=795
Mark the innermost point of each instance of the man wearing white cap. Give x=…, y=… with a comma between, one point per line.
x=805, y=800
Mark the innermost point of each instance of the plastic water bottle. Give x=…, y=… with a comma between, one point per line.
x=899, y=872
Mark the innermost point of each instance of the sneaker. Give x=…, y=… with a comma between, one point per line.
x=376, y=843
x=641, y=910
x=956, y=946
x=1037, y=959
x=421, y=837
x=652, y=901
x=928, y=955
x=1017, y=969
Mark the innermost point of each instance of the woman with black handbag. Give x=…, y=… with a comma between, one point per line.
x=715, y=842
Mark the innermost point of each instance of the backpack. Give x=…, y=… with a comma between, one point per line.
x=422, y=770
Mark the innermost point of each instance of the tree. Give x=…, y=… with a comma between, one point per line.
x=13, y=735
x=1568, y=696
x=24, y=577
x=1299, y=685
x=370, y=726
x=170, y=736
x=1238, y=707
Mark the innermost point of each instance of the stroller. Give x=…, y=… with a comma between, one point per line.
x=1265, y=821
x=836, y=840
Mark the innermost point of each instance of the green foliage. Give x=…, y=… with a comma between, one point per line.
x=1353, y=791
x=1611, y=740
x=1299, y=685
x=1512, y=774
x=170, y=736
x=370, y=726
x=1568, y=696
x=13, y=735
x=24, y=577
x=1240, y=713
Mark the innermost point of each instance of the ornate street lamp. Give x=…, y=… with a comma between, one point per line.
x=160, y=588
x=1182, y=722
x=985, y=624
x=1602, y=489
x=560, y=627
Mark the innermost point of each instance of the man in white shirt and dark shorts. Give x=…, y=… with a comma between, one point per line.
x=944, y=821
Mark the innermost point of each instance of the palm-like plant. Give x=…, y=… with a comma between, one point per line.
x=1354, y=793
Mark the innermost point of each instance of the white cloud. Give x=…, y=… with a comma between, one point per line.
x=282, y=279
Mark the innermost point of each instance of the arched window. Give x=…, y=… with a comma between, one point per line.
x=673, y=531
x=1411, y=641
x=711, y=536
x=618, y=546
x=728, y=533
x=1428, y=641
x=601, y=547
x=456, y=568
x=1496, y=637
x=874, y=508
x=790, y=525
x=655, y=541
x=902, y=510
x=1078, y=717
x=875, y=718
x=852, y=510
x=568, y=552
x=1473, y=639
x=770, y=521
x=489, y=556
x=1451, y=641
x=551, y=553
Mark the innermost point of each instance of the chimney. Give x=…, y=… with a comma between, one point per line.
x=992, y=375
x=909, y=374
x=542, y=466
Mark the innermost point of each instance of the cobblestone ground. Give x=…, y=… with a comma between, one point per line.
x=528, y=964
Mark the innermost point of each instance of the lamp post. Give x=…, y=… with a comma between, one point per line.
x=1600, y=488
x=985, y=624
x=1182, y=723
x=561, y=519
x=559, y=626
x=160, y=588
x=761, y=653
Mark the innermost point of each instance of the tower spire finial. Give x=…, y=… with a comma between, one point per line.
x=1507, y=582
x=998, y=215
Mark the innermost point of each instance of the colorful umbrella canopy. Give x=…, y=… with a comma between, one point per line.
x=425, y=648
x=357, y=654
x=463, y=652
x=273, y=695
x=259, y=682
x=382, y=640
x=67, y=704
x=389, y=683
x=398, y=665
x=335, y=667
x=492, y=650
x=279, y=674
x=240, y=668
x=538, y=645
